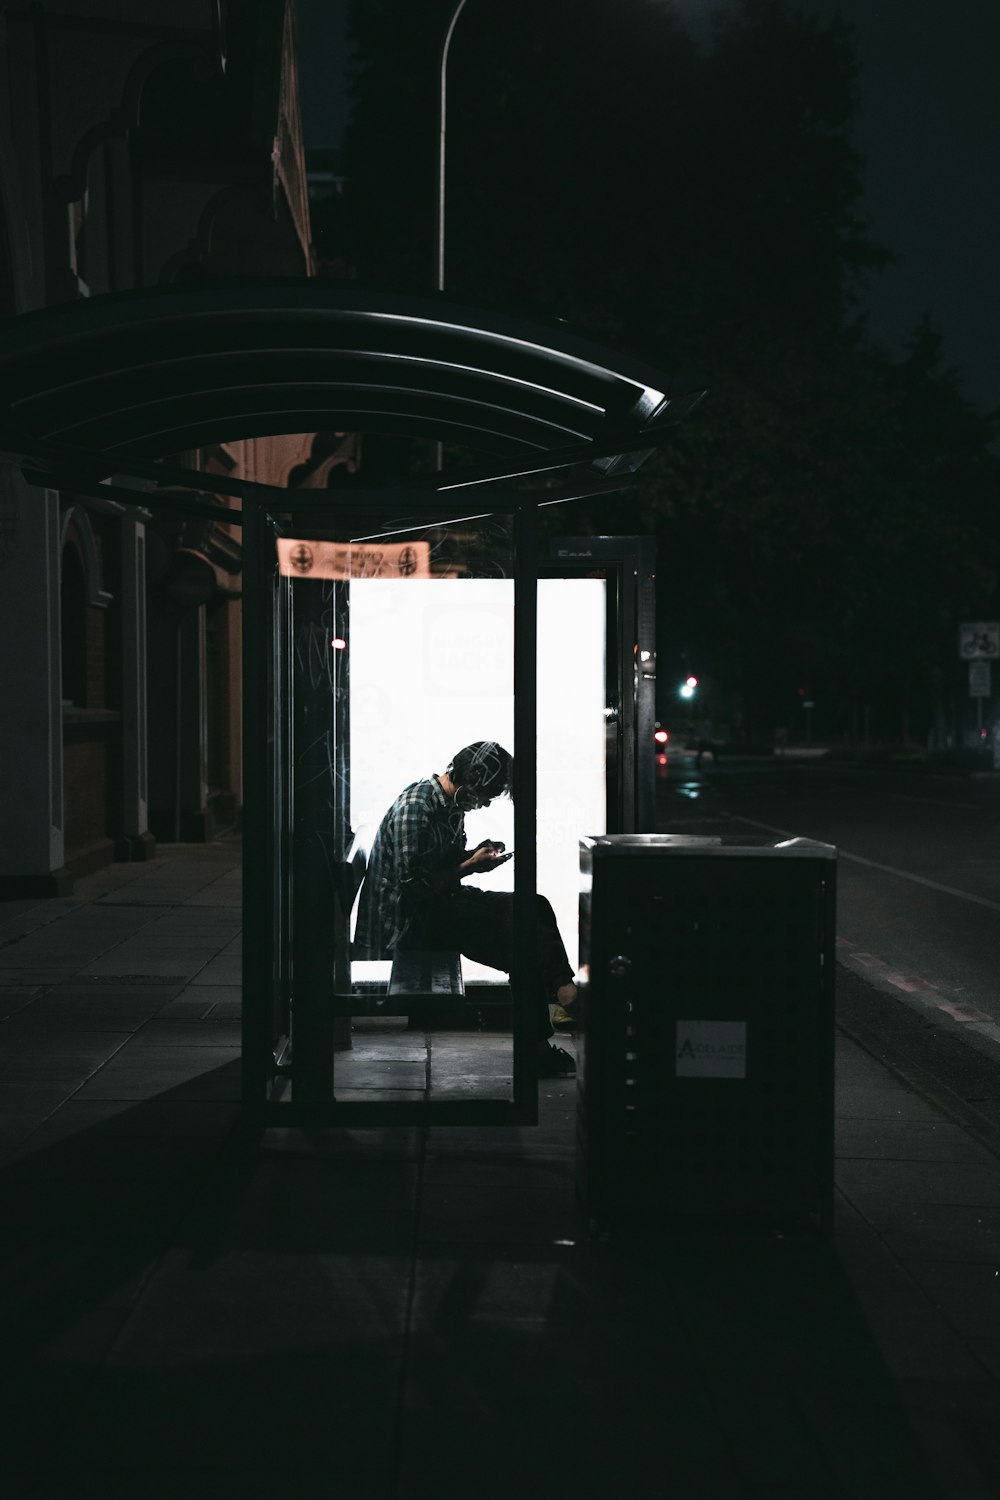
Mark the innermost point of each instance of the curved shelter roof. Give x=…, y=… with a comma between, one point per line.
x=144, y=374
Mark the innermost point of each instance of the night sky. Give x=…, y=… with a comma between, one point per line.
x=928, y=125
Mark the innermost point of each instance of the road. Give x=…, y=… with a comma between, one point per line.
x=918, y=901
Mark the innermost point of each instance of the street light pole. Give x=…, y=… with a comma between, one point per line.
x=442, y=127
x=439, y=195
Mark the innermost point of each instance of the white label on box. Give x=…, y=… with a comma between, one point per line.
x=711, y=1049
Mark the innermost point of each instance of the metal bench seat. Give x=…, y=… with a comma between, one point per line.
x=427, y=975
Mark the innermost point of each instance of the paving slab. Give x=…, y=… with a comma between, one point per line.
x=155, y=1119
x=486, y=1085
x=199, y=1308
x=988, y=1351
x=168, y=968
x=186, y=1072
x=108, y=1011
x=359, y=1145
x=958, y=1429
x=917, y=1341
x=187, y=1006
x=878, y=1184
x=893, y=1102
x=18, y=1126
x=908, y=1140
x=29, y=1097
x=968, y=1234
x=966, y=1294
x=18, y=974
x=164, y=1032
x=218, y=971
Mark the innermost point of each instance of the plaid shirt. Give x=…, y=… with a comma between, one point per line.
x=419, y=840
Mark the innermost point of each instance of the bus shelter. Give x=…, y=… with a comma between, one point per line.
x=384, y=627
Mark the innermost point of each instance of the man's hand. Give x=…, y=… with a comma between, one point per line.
x=486, y=856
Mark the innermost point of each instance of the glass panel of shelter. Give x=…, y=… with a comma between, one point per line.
x=425, y=667
x=401, y=651
x=628, y=566
x=389, y=654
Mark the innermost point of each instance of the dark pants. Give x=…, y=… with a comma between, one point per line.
x=480, y=924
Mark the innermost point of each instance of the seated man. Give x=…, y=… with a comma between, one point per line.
x=413, y=896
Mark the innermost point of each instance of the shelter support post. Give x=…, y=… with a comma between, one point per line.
x=525, y=802
x=31, y=821
x=136, y=840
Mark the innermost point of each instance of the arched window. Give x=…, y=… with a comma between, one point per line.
x=73, y=605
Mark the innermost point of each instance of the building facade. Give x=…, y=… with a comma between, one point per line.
x=142, y=145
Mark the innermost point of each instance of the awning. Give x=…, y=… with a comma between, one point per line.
x=111, y=384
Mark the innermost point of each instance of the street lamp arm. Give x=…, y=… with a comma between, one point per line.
x=442, y=127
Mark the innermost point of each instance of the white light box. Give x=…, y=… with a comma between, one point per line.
x=431, y=670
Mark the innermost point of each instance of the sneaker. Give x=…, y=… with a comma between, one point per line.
x=555, y=1062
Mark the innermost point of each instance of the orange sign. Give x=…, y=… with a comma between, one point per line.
x=301, y=559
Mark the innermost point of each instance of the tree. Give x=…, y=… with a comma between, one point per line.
x=827, y=513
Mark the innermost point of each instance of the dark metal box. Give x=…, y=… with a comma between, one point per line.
x=705, y=1079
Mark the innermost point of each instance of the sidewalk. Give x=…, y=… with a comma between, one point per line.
x=195, y=1311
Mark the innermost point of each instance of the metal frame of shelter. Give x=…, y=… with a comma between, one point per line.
x=98, y=393
x=629, y=564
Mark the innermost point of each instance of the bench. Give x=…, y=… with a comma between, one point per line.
x=416, y=978
x=427, y=975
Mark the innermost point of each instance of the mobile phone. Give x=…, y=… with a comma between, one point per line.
x=502, y=857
